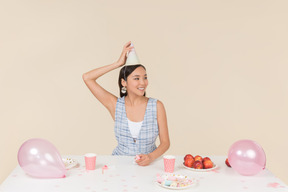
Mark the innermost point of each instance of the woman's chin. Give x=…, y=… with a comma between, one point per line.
x=138, y=93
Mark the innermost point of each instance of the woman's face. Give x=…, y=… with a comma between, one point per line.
x=137, y=82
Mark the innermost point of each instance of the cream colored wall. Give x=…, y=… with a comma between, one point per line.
x=219, y=67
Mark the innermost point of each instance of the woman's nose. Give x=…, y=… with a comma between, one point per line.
x=142, y=81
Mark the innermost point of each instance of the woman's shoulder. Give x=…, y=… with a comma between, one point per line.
x=156, y=101
x=152, y=99
x=121, y=101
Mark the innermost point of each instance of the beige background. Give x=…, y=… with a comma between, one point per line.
x=219, y=67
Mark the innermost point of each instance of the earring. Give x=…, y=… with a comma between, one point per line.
x=123, y=90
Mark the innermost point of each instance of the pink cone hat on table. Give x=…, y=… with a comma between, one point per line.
x=132, y=58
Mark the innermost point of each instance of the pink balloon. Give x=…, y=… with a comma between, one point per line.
x=39, y=158
x=247, y=157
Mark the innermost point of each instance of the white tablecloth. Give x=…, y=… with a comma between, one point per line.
x=124, y=176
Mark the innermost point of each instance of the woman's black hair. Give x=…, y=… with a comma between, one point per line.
x=124, y=73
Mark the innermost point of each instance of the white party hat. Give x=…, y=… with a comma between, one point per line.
x=132, y=58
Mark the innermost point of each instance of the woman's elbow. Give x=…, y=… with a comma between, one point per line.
x=85, y=77
x=167, y=145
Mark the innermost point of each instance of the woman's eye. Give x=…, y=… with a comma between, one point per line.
x=145, y=77
x=136, y=79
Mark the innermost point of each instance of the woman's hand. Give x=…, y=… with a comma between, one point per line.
x=123, y=57
x=144, y=160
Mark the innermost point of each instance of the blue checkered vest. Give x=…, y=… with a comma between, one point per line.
x=145, y=143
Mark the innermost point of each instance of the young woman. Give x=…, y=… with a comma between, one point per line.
x=139, y=120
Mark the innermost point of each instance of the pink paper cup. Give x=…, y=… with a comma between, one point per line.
x=169, y=163
x=90, y=161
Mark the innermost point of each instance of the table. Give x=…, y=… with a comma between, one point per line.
x=124, y=176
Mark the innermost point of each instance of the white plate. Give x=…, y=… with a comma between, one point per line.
x=179, y=178
x=69, y=163
x=201, y=170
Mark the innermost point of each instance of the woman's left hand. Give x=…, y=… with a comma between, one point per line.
x=144, y=160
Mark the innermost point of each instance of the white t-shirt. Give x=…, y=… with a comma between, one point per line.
x=134, y=128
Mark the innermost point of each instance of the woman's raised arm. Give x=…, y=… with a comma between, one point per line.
x=106, y=98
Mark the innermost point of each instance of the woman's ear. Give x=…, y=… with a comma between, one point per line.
x=123, y=82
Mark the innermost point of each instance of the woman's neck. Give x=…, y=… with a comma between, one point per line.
x=135, y=100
